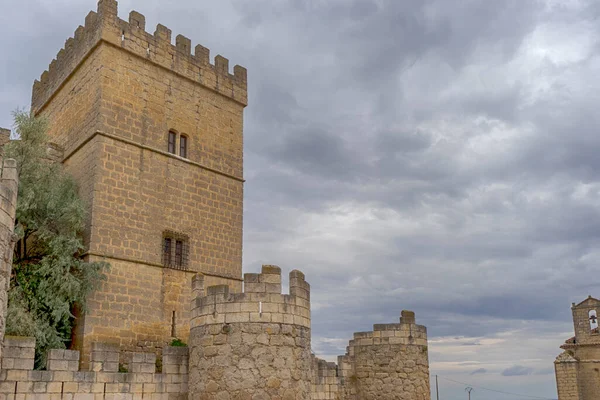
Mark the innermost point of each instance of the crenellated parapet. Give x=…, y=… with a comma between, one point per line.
x=260, y=302
x=390, y=362
x=104, y=26
x=108, y=375
x=407, y=332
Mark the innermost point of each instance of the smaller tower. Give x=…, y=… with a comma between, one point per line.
x=577, y=371
x=390, y=362
x=251, y=345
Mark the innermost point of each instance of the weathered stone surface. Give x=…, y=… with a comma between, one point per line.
x=577, y=367
x=8, y=204
x=111, y=97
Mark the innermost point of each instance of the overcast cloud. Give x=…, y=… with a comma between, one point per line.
x=435, y=155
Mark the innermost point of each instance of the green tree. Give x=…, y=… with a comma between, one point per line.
x=49, y=276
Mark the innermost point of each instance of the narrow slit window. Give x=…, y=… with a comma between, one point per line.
x=173, y=333
x=172, y=140
x=167, y=252
x=183, y=146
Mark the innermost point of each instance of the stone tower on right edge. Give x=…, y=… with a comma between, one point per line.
x=578, y=367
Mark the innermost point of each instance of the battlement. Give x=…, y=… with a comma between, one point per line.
x=104, y=26
x=106, y=376
x=261, y=300
x=407, y=332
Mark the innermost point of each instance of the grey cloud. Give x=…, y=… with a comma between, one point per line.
x=403, y=154
x=517, y=370
x=479, y=371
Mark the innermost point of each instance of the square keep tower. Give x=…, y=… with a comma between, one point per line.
x=153, y=135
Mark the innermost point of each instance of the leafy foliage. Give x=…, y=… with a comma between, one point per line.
x=177, y=343
x=49, y=277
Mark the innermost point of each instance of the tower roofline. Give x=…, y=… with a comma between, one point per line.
x=587, y=301
x=104, y=26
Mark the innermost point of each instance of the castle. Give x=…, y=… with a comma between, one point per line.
x=154, y=137
x=577, y=367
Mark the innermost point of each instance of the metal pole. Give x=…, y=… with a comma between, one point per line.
x=437, y=391
x=469, y=390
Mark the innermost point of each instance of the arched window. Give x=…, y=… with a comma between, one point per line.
x=172, y=141
x=183, y=142
x=593, y=319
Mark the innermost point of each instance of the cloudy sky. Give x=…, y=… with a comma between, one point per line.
x=434, y=155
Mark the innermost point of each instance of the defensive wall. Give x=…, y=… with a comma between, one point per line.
x=9, y=187
x=249, y=345
x=63, y=379
x=389, y=362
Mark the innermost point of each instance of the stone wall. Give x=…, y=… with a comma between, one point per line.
x=251, y=345
x=9, y=188
x=63, y=380
x=326, y=385
x=577, y=368
x=390, y=362
x=566, y=377
x=111, y=96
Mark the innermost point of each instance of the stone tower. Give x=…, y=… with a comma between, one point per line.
x=251, y=345
x=153, y=136
x=389, y=362
x=577, y=369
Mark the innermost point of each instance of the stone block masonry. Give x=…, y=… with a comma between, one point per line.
x=9, y=187
x=111, y=96
x=63, y=380
x=251, y=345
x=390, y=362
x=577, y=367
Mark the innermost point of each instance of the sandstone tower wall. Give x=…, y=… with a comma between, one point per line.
x=254, y=344
x=112, y=95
